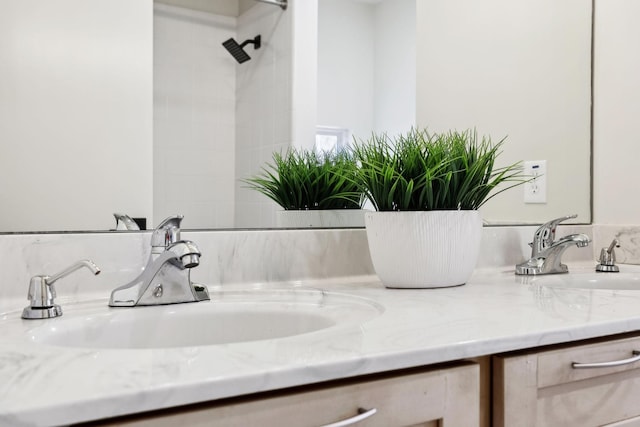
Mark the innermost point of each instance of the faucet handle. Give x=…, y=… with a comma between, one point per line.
x=125, y=222
x=166, y=233
x=607, y=262
x=551, y=225
x=42, y=292
x=546, y=234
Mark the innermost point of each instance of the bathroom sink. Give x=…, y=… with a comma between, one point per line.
x=230, y=317
x=591, y=280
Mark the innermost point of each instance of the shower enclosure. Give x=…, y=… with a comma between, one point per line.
x=217, y=120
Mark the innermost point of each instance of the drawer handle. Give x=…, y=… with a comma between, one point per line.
x=363, y=414
x=635, y=358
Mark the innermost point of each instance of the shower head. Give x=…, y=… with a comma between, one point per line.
x=236, y=50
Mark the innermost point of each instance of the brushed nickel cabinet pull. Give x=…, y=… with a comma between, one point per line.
x=635, y=358
x=362, y=415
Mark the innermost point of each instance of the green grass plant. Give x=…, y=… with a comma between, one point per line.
x=420, y=171
x=302, y=180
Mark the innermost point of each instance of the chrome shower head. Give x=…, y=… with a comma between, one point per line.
x=236, y=50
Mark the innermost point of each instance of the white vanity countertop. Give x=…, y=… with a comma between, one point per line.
x=495, y=312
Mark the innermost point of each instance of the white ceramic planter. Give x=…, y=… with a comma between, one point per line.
x=330, y=218
x=425, y=249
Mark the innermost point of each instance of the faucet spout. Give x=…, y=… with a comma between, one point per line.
x=580, y=240
x=552, y=256
x=186, y=252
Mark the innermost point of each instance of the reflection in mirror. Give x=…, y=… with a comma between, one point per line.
x=520, y=70
x=75, y=113
x=515, y=70
x=119, y=106
x=217, y=121
x=366, y=65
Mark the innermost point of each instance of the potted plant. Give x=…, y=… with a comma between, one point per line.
x=426, y=189
x=314, y=190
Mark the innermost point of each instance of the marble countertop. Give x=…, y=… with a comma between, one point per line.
x=495, y=312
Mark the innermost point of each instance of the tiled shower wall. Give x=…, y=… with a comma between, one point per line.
x=217, y=122
x=264, y=106
x=194, y=117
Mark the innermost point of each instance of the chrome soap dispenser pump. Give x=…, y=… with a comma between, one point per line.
x=42, y=293
x=607, y=262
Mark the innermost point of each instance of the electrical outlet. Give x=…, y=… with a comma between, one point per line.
x=535, y=191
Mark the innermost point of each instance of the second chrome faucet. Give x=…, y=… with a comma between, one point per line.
x=166, y=279
x=546, y=252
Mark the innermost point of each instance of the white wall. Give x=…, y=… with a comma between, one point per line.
x=75, y=113
x=194, y=117
x=395, y=66
x=304, y=77
x=519, y=69
x=616, y=112
x=366, y=66
x=264, y=108
x=346, y=42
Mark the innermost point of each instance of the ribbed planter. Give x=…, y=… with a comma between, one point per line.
x=318, y=218
x=424, y=249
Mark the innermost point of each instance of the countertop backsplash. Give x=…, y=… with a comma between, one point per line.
x=250, y=256
x=228, y=257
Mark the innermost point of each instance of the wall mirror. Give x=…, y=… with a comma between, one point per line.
x=117, y=106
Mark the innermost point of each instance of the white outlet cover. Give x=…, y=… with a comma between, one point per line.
x=535, y=191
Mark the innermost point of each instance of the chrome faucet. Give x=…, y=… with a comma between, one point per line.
x=166, y=279
x=546, y=252
x=42, y=293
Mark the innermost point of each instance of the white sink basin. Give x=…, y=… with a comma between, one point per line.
x=591, y=280
x=229, y=317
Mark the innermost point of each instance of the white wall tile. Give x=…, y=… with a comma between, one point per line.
x=258, y=117
x=195, y=124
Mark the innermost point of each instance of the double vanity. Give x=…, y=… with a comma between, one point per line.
x=298, y=331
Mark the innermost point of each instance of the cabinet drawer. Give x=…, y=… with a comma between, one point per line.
x=556, y=366
x=543, y=388
x=446, y=396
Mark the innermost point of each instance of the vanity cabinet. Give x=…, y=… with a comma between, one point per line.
x=596, y=383
x=447, y=395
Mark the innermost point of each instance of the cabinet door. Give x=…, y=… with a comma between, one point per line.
x=555, y=388
x=445, y=397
